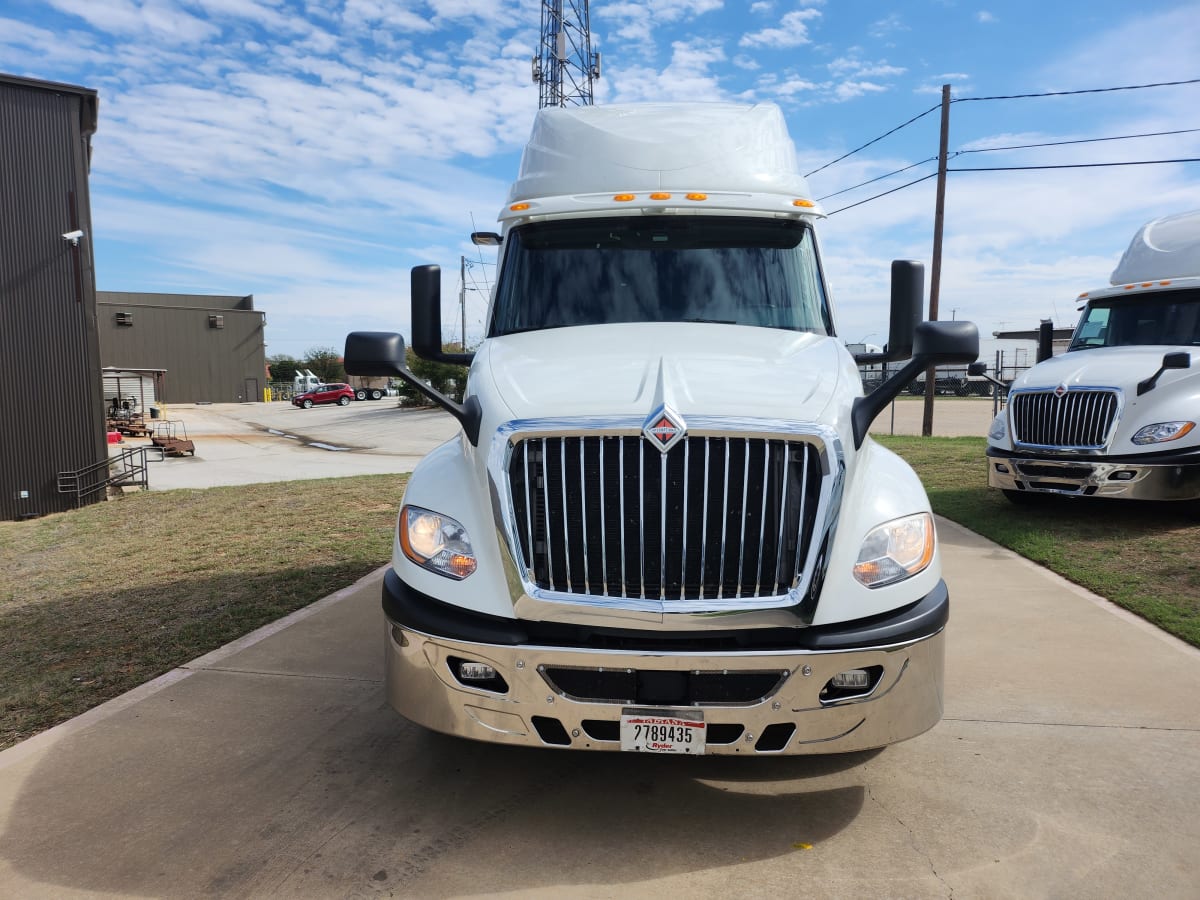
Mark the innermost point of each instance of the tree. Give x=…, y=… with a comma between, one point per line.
x=283, y=367
x=326, y=364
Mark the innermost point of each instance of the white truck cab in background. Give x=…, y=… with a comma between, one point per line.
x=663, y=526
x=1115, y=416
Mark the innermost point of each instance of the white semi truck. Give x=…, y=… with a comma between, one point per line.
x=1115, y=416
x=663, y=526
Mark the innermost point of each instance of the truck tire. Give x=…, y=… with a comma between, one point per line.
x=376, y=394
x=360, y=394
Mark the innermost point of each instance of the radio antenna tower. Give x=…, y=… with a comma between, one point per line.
x=565, y=66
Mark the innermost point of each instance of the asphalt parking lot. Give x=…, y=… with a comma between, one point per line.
x=1066, y=766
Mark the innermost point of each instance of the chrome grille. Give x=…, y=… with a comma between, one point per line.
x=714, y=518
x=1079, y=419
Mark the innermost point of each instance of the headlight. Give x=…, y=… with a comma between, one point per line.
x=436, y=542
x=895, y=551
x=999, y=429
x=1163, y=431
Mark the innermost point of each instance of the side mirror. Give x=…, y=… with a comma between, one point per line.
x=1045, y=347
x=934, y=344
x=977, y=368
x=908, y=292
x=946, y=343
x=374, y=353
x=1176, y=360
x=382, y=353
x=426, y=282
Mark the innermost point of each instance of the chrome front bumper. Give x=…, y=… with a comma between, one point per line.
x=527, y=706
x=1095, y=477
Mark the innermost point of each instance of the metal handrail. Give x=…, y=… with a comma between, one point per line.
x=126, y=468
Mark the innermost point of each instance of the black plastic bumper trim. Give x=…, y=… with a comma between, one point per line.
x=420, y=612
x=1161, y=458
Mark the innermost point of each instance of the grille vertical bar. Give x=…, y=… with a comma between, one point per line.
x=737, y=525
x=1079, y=419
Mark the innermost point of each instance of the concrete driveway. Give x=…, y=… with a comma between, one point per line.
x=1067, y=766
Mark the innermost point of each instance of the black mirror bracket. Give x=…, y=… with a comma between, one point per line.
x=1177, y=360
x=382, y=353
x=934, y=344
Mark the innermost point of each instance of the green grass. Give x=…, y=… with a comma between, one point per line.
x=1142, y=556
x=97, y=601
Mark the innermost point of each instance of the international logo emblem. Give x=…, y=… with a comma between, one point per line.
x=664, y=429
x=1060, y=390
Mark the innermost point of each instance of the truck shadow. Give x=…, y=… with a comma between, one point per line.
x=326, y=792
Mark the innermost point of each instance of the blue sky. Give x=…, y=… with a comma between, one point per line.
x=310, y=151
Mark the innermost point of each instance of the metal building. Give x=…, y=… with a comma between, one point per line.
x=53, y=414
x=211, y=349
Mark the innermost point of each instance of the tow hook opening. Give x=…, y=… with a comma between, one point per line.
x=853, y=684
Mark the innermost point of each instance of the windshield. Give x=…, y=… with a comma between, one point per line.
x=743, y=271
x=1165, y=318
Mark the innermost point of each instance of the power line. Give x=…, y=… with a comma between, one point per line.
x=1120, y=137
x=1127, y=87
x=879, y=178
x=1136, y=162
x=875, y=140
x=884, y=194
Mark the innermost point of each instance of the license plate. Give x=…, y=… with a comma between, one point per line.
x=663, y=731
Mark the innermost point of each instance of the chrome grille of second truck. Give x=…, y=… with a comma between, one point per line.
x=1079, y=419
x=714, y=518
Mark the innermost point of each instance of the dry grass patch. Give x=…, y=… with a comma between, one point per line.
x=100, y=600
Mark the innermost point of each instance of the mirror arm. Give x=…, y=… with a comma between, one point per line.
x=867, y=408
x=468, y=413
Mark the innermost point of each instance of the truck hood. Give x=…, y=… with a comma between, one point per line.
x=628, y=370
x=1116, y=367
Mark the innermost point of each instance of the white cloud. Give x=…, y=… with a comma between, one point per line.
x=984, y=17
x=848, y=90
x=792, y=31
x=887, y=26
x=688, y=76
x=161, y=20
x=858, y=68
x=638, y=21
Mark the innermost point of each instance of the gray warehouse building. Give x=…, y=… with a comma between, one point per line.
x=209, y=349
x=49, y=346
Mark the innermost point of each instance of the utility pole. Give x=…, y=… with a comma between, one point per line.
x=935, y=273
x=565, y=66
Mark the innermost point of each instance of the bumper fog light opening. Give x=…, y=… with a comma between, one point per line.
x=475, y=671
x=476, y=675
x=852, y=684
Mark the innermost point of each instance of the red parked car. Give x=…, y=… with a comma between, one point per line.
x=341, y=394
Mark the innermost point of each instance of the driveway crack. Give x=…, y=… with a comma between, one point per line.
x=913, y=842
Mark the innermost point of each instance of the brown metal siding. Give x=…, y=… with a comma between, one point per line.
x=203, y=364
x=51, y=406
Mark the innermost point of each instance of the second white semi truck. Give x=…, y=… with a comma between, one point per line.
x=1116, y=415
